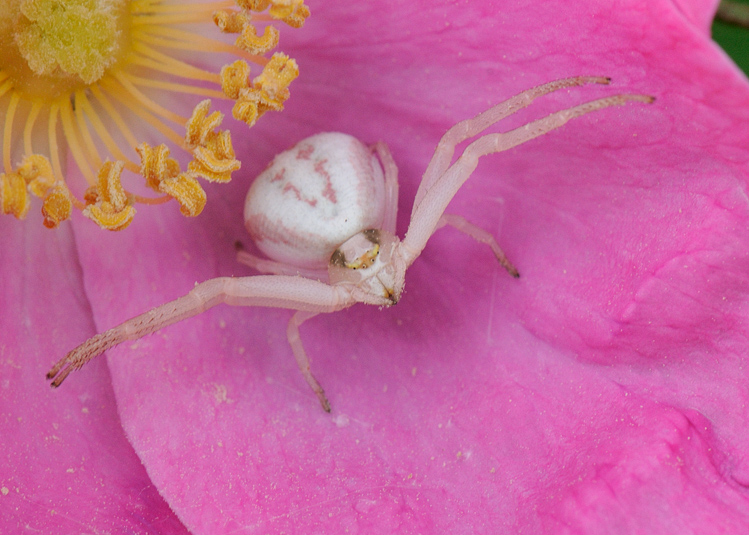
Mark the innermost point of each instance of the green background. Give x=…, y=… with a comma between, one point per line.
x=734, y=40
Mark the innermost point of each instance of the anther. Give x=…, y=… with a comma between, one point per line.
x=57, y=205
x=258, y=44
x=111, y=209
x=187, y=191
x=13, y=195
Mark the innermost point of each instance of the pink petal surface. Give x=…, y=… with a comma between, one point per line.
x=699, y=13
x=599, y=393
x=65, y=465
x=603, y=392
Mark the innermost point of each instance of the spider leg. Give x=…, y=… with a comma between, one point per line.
x=469, y=128
x=271, y=267
x=480, y=235
x=428, y=212
x=278, y=291
x=295, y=341
x=391, y=187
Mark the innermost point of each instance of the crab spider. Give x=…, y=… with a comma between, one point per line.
x=324, y=213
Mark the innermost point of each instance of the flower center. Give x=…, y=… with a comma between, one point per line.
x=92, y=78
x=53, y=47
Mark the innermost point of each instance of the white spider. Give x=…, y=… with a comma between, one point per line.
x=326, y=210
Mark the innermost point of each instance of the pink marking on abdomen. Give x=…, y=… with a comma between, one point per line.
x=291, y=187
x=305, y=152
x=328, y=192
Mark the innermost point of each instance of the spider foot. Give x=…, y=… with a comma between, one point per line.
x=512, y=270
x=323, y=400
x=79, y=356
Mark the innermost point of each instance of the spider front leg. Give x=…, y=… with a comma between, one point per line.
x=480, y=235
x=469, y=128
x=296, y=293
x=391, y=186
x=428, y=212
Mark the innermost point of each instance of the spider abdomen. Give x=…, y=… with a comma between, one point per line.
x=313, y=197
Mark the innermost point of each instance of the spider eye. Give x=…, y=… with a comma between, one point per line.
x=358, y=252
x=365, y=260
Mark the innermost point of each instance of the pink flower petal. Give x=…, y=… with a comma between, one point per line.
x=602, y=392
x=698, y=12
x=65, y=465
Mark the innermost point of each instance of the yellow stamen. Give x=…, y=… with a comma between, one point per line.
x=36, y=108
x=151, y=200
x=7, y=134
x=66, y=116
x=37, y=173
x=255, y=5
x=110, y=207
x=57, y=205
x=231, y=21
x=92, y=153
x=113, y=114
x=137, y=108
x=162, y=62
x=163, y=174
x=52, y=136
x=273, y=82
x=268, y=92
x=148, y=6
x=247, y=107
x=254, y=44
x=109, y=188
x=199, y=129
x=87, y=77
x=185, y=40
x=175, y=88
x=186, y=189
x=292, y=12
x=240, y=22
x=156, y=165
x=147, y=102
x=234, y=78
x=213, y=151
x=15, y=200
x=215, y=161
